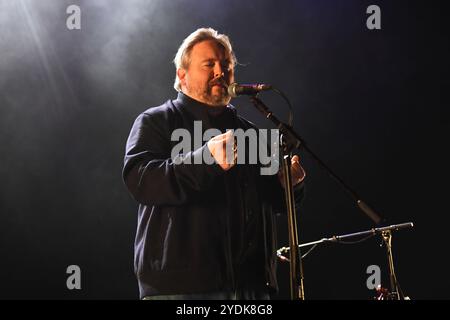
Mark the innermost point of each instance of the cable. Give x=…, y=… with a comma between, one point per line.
x=353, y=242
x=309, y=251
x=291, y=111
x=283, y=258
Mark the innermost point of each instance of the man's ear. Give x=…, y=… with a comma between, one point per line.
x=181, y=74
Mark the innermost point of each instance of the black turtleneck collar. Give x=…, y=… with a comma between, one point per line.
x=201, y=110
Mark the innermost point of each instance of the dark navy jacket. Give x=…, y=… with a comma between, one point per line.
x=200, y=229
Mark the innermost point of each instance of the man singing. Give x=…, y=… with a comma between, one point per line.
x=205, y=230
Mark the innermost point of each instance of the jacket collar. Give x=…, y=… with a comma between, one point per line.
x=200, y=110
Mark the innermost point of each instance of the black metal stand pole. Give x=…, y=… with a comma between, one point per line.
x=296, y=268
x=387, y=238
x=290, y=141
x=293, y=141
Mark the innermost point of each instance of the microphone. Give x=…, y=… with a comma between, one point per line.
x=235, y=89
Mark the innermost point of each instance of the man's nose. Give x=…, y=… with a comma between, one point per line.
x=218, y=71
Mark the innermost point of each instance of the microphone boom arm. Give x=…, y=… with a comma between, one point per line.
x=291, y=140
x=294, y=141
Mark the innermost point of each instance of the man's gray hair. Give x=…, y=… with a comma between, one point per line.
x=182, y=58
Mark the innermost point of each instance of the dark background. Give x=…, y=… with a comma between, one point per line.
x=368, y=102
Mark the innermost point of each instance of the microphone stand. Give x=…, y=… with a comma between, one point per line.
x=386, y=234
x=395, y=292
x=290, y=141
x=296, y=267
